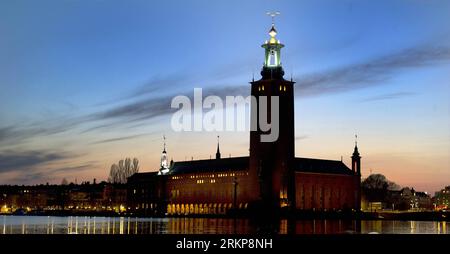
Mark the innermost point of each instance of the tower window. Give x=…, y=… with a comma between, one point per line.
x=272, y=58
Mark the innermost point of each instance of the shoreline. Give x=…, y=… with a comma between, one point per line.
x=298, y=215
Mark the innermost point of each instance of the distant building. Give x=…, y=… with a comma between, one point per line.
x=99, y=196
x=442, y=199
x=270, y=177
x=408, y=199
x=146, y=193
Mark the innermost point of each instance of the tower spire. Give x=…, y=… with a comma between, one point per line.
x=355, y=151
x=164, y=138
x=218, y=148
x=356, y=158
x=164, y=163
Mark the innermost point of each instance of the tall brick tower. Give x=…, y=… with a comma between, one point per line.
x=271, y=163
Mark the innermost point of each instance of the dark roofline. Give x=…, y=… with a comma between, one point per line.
x=210, y=165
x=311, y=165
x=213, y=159
x=306, y=165
x=316, y=159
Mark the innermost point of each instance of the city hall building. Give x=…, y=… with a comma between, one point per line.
x=271, y=176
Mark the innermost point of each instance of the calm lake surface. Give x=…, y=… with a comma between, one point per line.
x=130, y=225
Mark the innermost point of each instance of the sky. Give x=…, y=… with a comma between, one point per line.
x=84, y=84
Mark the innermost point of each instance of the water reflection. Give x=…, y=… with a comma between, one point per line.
x=128, y=225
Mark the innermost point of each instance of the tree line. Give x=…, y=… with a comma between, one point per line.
x=120, y=171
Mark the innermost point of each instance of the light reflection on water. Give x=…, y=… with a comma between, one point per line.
x=132, y=225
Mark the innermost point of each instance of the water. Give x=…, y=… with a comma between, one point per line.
x=131, y=225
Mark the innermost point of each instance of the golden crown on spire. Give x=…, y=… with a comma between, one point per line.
x=273, y=31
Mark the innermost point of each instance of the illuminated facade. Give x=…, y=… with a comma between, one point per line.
x=270, y=178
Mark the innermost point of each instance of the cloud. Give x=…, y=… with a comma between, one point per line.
x=135, y=111
x=120, y=138
x=30, y=173
x=14, y=134
x=223, y=91
x=28, y=177
x=5, y=133
x=86, y=166
x=370, y=73
x=25, y=160
x=301, y=137
x=388, y=96
x=149, y=108
x=159, y=83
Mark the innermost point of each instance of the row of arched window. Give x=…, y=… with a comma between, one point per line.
x=216, y=208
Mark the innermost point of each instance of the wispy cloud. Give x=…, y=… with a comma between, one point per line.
x=149, y=108
x=14, y=134
x=85, y=166
x=301, y=137
x=135, y=111
x=159, y=83
x=33, y=175
x=27, y=178
x=370, y=73
x=11, y=160
x=388, y=96
x=5, y=133
x=120, y=138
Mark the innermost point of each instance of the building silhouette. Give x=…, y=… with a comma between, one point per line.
x=270, y=179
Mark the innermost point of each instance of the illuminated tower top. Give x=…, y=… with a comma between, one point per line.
x=272, y=60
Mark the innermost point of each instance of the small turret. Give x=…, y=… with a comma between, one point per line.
x=356, y=159
x=218, y=149
x=164, y=169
